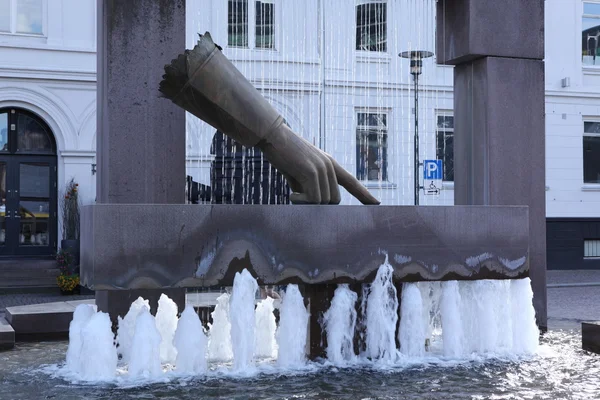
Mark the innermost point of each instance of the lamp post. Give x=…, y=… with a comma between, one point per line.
x=416, y=67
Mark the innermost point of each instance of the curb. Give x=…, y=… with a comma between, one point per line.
x=564, y=285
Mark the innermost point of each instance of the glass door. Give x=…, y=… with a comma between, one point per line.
x=28, y=210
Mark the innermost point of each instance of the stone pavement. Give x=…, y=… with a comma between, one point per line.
x=23, y=299
x=577, y=277
x=573, y=297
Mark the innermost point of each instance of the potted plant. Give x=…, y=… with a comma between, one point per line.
x=70, y=217
x=68, y=279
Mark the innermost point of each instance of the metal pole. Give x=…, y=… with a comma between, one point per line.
x=416, y=155
x=322, y=123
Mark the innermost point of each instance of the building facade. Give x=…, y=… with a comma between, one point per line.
x=331, y=68
x=47, y=118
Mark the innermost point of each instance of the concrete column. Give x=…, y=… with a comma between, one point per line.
x=140, y=136
x=499, y=143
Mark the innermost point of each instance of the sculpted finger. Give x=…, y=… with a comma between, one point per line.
x=323, y=181
x=334, y=189
x=309, y=193
x=353, y=186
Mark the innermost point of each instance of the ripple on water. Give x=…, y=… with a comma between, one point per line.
x=561, y=370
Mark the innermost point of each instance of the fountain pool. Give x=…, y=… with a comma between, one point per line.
x=450, y=347
x=560, y=370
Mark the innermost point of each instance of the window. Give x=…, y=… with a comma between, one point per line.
x=590, y=35
x=591, y=248
x=238, y=29
x=371, y=26
x=237, y=26
x=591, y=152
x=371, y=147
x=264, y=24
x=22, y=17
x=445, y=144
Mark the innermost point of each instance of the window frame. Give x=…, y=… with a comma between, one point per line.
x=251, y=26
x=387, y=28
x=588, y=134
x=444, y=131
x=594, y=16
x=13, y=21
x=364, y=130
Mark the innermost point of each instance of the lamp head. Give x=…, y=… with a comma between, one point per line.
x=416, y=60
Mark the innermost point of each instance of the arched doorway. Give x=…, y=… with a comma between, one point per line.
x=28, y=199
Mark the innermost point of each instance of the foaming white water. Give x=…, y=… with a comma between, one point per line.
x=81, y=316
x=166, y=322
x=382, y=316
x=339, y=323
x=219, y=335
x=265, y=343
x=479, y=319
x=431, y=293
x=241, y=307
x=452, y=325
x=293, y=328
x=488, y=317
x=413, y=329
x=98, y=357
x=190, y=342
x=525, y=331
x=144, y=361
x=126, y=327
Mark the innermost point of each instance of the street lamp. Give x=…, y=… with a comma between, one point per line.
x=416, y=67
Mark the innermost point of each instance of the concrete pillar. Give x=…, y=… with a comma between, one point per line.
x=140, y=136
x=499, y=143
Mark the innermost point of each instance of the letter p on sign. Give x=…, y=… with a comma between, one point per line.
x=432, y=169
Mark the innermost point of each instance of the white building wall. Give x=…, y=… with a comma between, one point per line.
x=566, y=109
x=54, y=76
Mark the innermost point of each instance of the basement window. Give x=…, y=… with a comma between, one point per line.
x=591, y=248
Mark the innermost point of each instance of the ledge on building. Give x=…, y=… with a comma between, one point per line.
x=379, y=185
x=591, y=187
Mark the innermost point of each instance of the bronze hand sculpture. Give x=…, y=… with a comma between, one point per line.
x=205, y=83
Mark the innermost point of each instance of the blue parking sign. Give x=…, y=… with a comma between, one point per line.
x=433, y=169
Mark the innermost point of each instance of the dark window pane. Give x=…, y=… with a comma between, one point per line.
x=445, y=145
x=32, y=136
x=2, y=203
x=591, y=127
x=371, y=156
x=449, y=158
x=445, y=122
x=264, y=25
x=34, y=180
x=371, y=27
x=3, y=131
x=591, y=159
x=237, y=26
x=372, y=120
